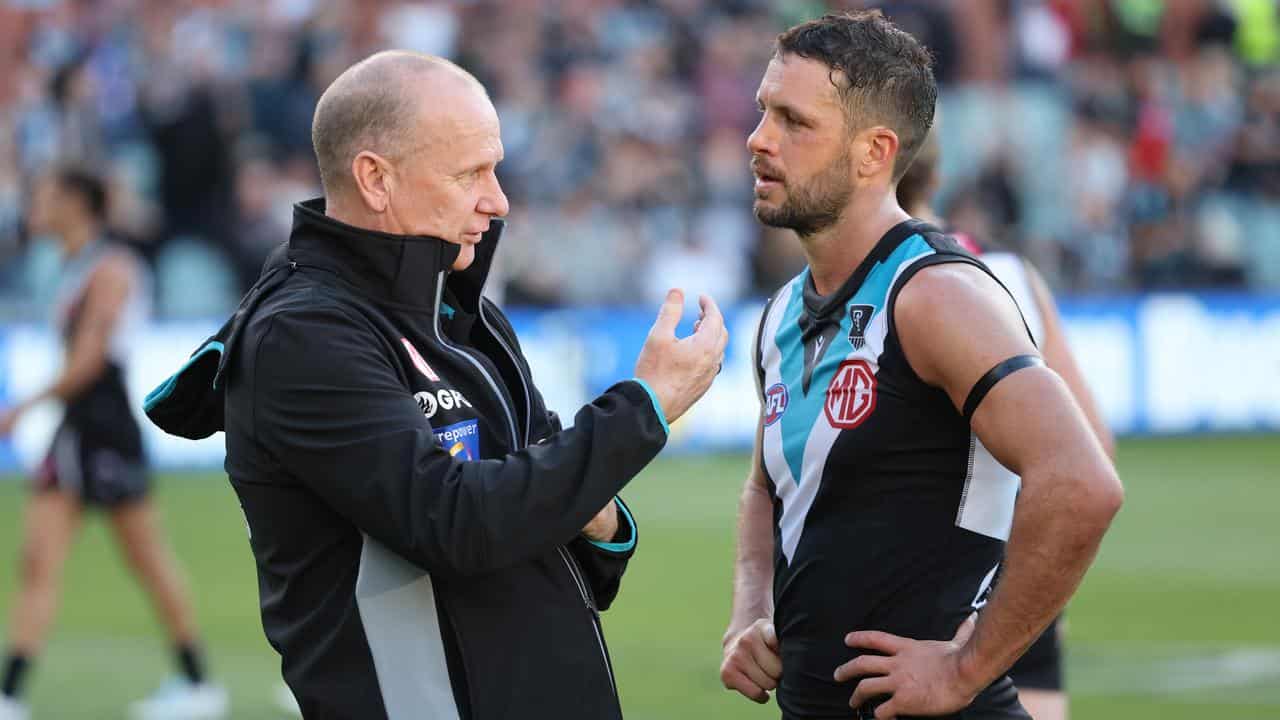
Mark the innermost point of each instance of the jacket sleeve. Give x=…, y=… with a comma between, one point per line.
x=603, y=563
x=330, y=406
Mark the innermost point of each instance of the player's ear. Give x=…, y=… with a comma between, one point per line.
x=881, y=145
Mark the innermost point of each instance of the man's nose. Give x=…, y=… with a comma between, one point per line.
x=494, y=202
x=761, y=141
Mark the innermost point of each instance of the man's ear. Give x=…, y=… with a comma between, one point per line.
x=372, y=175
x=881, y=145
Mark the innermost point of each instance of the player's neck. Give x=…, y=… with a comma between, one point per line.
x=78, y=236
x=836, y=252
x=925, y=213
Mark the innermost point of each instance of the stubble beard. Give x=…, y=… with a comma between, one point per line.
x=814, y=206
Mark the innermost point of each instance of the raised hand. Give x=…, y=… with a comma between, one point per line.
x=679, y=370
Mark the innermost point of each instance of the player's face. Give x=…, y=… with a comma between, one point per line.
x=449, y=188
x=800, y=151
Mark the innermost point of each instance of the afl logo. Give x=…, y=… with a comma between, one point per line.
x=775, y=403
x=851, y=396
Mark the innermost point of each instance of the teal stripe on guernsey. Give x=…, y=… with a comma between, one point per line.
x=622, y=546
x=804, y=409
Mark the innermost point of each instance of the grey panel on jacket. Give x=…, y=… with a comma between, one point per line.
x=398, y=609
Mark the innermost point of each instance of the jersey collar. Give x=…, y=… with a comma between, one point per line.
x=820, y=310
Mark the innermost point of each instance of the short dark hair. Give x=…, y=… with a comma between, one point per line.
x=885, y=74
x=86, y=184
x=918, y=180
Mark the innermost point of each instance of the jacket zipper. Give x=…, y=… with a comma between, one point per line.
x=497, y=391
x=569, y=562
x=524, y=384
x=578, y=580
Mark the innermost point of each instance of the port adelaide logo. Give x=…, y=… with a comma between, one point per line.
x=859, y=318
x=775, y=403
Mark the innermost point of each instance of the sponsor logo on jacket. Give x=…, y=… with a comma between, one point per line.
x=433, y=401
x=461, y=440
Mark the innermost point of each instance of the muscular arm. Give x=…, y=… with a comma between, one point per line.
x=1059, y=358
x=753, y=569
x=955, y=324
x=751, y=663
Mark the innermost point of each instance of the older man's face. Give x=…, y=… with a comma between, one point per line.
x=447, y=185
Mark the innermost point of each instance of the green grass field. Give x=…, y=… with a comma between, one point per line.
x=1180, y=618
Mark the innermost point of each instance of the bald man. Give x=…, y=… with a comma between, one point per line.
x=430, y=542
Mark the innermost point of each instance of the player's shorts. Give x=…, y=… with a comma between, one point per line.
x=1041, y=667
x=100, y=471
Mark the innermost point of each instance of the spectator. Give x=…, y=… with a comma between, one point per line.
x=624, y=122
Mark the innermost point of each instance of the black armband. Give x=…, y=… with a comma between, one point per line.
x=993, y=376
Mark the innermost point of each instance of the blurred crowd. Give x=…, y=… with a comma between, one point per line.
x=1121, y=144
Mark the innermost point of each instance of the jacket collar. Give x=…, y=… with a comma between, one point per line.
x=402, y=270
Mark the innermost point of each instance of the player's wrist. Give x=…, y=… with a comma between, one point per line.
x=742, y=621
x=972, y=671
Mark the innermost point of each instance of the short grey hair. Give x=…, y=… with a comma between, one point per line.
x=367, y=108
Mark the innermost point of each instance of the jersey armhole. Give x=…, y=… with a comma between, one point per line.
x=930, y=261
x=757, y=347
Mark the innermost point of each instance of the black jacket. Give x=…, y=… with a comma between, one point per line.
x=413, y=508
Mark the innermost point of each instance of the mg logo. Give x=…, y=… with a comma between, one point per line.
x=851, y=396
x=775, y=403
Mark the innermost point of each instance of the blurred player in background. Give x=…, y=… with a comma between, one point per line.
x=96, y=458
x=897, y=383
x=1037, y=674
